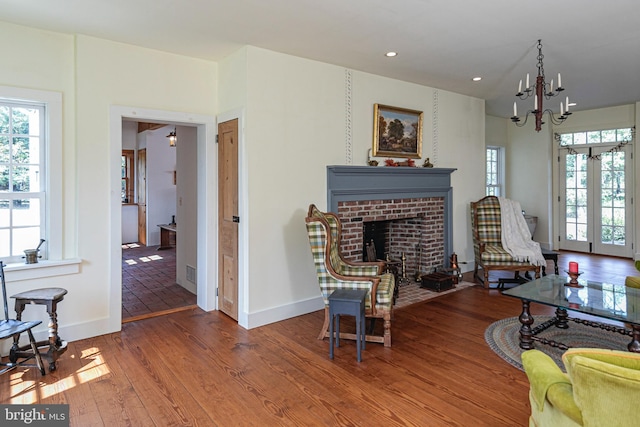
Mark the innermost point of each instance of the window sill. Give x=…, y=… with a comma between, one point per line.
x=48, y=268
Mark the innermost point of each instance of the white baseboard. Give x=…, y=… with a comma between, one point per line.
x=68, y=333
x=283, y=312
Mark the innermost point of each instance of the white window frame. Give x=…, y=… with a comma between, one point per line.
x=53, y=222
x=499, y=185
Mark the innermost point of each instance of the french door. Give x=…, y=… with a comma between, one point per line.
x=596, y=188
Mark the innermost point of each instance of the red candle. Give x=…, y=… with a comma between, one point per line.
x=573, y=267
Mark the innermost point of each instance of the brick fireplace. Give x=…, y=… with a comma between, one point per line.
x=412, y=226
x=413, y=205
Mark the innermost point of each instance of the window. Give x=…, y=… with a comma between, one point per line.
x=608, y=136
x=495, y=171
x=29, y=140
x=128, y=175
x=22, y=195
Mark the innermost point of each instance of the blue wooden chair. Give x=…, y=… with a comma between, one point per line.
x=9, y=328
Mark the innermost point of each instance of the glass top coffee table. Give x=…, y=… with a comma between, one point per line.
x=605, y=300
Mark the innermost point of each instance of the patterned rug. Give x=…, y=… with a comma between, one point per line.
x=411, y=293
x=503, y=338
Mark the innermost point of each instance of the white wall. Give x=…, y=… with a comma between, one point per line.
x=528, y=171
x=187, y=200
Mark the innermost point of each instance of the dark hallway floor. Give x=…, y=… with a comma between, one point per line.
x=149, y=282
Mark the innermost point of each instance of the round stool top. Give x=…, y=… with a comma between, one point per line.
x=44, y=293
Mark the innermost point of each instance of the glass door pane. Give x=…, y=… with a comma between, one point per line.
x=613, y=216
x=575, y=230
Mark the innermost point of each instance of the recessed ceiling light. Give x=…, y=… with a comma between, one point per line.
x=391, y=54
x=476, y=79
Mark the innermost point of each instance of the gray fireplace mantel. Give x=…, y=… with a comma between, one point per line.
x=356, y=183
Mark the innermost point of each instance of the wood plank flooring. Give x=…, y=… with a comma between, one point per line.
x=197, y=368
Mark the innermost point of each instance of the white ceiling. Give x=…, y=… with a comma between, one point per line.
x=440, y=43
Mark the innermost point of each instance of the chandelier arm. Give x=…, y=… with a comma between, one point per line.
x=555, y=120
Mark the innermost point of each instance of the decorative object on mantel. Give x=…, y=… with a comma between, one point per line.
x=540, y=90
x=397, y=132
x=427, y=163
x=409, y=162
x=371, y=161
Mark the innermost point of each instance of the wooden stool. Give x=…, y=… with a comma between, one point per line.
x=49, y=297
x=349, y=302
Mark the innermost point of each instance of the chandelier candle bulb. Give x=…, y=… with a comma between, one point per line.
x=551, y=87
x=527, y=80
x=515, y=107
x=567, y=104
x=561, y=109
x=573, y=267
x=520, y=87
x=535, y=103
x=559, y=81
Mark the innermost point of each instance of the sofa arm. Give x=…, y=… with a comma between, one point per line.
x=542, y=372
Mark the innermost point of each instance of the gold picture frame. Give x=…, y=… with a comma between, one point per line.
x=397, y=132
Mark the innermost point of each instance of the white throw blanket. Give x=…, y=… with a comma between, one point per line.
x=516, y=236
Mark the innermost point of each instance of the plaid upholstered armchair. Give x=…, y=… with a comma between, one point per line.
x=334, y=272
x=487, y=241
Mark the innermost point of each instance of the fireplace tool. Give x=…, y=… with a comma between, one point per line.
x=404, y=279
x=418, y=275
x=455, y=268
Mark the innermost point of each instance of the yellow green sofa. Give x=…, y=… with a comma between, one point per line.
x=633, y=281
x=601, y=388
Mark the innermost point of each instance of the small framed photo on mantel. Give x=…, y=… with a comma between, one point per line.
x=397, y=132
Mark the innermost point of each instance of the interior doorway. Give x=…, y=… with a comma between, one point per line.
x=205, y=268
x=151, y=259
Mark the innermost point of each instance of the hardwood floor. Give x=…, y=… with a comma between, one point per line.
x=197, y=368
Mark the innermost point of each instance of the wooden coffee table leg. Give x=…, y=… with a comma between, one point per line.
x=562, y=316
x=634, y=345
x=526, y=320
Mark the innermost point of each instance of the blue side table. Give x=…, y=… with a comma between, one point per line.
x=349, y=302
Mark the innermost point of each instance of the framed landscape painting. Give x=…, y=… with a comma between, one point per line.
x=397, y=132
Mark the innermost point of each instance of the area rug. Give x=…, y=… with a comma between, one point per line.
x=411, y=293
x=503, y=338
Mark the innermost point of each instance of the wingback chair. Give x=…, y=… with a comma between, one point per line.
x=601, y=388
x=487, y=241
x=334, y=272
